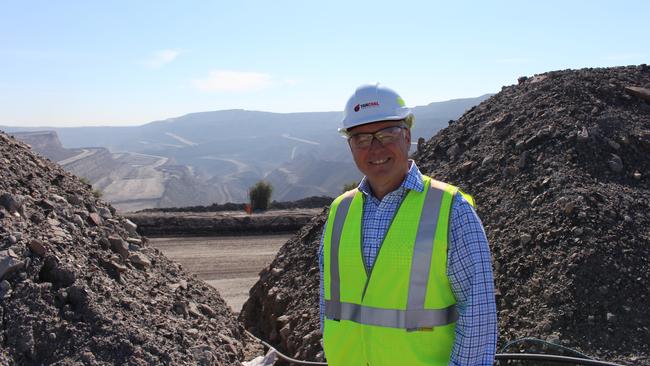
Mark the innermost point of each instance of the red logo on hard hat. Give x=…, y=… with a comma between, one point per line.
x=365, y=105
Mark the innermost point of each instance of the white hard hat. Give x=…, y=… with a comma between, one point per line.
x=374, y=103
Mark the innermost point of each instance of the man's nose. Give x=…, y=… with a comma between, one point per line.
x=378, y=143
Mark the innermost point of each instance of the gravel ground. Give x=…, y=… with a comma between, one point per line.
x=231, y=264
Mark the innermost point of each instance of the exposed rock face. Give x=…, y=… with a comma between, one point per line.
x=283, y=304
x=78, y=285
x=559, y=167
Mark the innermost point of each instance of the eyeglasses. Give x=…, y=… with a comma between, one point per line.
x=384, y=136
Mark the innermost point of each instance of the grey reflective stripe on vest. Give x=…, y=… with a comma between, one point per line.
x=337, y=230
x=415, y=316
x=403, y=319
x=423, y=249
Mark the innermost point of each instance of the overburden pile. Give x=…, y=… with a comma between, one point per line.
x=559, y=166
x=79, y=285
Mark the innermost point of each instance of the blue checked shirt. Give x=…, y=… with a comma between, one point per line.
x=469, y=267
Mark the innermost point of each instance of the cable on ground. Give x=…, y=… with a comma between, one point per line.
x=584, y=360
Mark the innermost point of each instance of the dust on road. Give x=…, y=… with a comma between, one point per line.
x=231, y=264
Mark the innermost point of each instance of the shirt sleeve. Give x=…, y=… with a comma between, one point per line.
x=469, y=268
x=321, y=293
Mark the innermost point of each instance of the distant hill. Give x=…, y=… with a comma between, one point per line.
x=213, y=157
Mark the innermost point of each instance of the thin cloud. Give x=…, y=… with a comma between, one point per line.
x=292, y=82
x=161, y=58
x=233, y=81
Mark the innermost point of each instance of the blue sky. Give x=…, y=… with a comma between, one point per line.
x=81, y=63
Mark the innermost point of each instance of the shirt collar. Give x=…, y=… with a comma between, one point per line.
x=412, y=181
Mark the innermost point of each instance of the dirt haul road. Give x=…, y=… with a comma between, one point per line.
x=229, y=263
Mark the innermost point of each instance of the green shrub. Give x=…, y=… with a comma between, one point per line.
x=350, y=186
x=260, y=195
x=97, y=193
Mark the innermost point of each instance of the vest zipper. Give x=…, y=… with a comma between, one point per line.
x=369, y=273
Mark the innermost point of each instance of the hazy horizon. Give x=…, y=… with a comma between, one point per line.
x=196, y=112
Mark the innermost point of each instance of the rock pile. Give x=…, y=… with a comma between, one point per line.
x=559, y=168
x=283, y=304
x=79, y=286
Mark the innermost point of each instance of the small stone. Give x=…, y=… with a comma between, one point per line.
x=454, y=151
x=104, y=243
x=283, y=319
x=637, y=175
x=130, y=227
x=180, y=308
x=193, y=310
x=207, y=311
x=119, y=246
x=5, y=289
x=569, y=207
x=45, y=204
x=12, y=239
x=615, y=163
x=613, y=144
x=9, y=262
x=554, y=338
x=53, y=222
x=88, y=358
x=5, y=285
x=583, y=135
x=78, y=221
x=466, y=167
x=59, y=199
x=285, y=331
x=611, y=317
x=523, y=160
x=74, y=200
x=13, y=203
x=117, y=267
x=487, y=160
x=95, y=219
x=104, y=213
x=193, y=332
x=140, y=259
x=37, y=247
x=525, y=238
x=642, y=93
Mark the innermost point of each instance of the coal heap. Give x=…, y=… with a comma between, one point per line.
x=559, y=167
x=79, y=285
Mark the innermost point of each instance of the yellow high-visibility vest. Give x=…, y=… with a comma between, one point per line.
x=401, y=311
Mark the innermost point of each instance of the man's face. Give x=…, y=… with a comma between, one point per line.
x=386, y=162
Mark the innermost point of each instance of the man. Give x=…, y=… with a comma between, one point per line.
x=406, y=276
